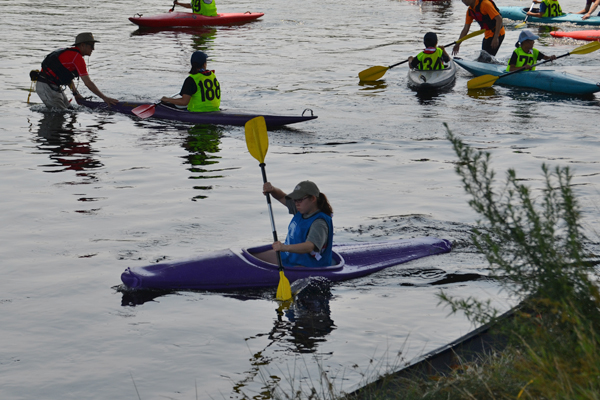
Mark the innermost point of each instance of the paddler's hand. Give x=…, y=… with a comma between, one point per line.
x=110, y=101
x=267, y=188
x=278, y=246
x=456, y=49
x=410, y=61
x=495, y=43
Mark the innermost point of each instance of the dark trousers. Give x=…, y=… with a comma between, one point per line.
x=486, y=45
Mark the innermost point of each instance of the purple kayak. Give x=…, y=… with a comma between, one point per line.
x=239, y=269
x=226, y=117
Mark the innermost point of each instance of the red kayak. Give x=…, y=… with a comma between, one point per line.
x=579, y=35
x=173, y=19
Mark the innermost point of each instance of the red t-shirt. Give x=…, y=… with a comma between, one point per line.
x=73, y=61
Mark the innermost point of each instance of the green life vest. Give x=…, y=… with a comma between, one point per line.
x=204, y=7
x=208, y=96
x=431, y=61
x=525, y=58
x=552, y=9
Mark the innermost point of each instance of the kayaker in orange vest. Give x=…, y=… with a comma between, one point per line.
x=201, y=91
x=590, y=7
x=548, y=9
x=309, y=239
x=524, y=56
x=433, y=57
x=207, y=8
x=488, y=17
x=61, y=67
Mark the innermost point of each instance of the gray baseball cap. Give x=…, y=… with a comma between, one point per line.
x=303, y=189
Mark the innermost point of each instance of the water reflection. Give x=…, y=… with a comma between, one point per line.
x=303, y=323
x=68, y=147
x=430, y=96
x=202, y=143
x=379, y=85
x=482, y=93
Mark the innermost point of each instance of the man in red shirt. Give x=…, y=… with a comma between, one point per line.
x=488, y=17
x=60, y=67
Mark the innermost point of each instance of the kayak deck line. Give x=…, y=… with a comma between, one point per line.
x=432, y=79
x=520, y=13
x=239, y=269
x=223, y=117
x=187, y=19
x=547, y=80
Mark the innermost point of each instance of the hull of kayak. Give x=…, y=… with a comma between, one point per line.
x=578, y=35
x=519, y=14
x=437, y=79
x=550, y=81
x=172, y=19
x=215, y=118
x=239, y=269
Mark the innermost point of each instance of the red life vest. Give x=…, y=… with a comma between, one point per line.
x=484, y=20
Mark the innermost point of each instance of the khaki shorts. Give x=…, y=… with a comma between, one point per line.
x=52, y=99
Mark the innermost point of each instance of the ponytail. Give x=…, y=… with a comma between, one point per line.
x=517, y=45
x=195, y=68
x=324, y=205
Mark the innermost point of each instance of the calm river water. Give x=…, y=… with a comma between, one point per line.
x=86, y=194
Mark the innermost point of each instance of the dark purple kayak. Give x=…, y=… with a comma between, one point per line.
x=238, y=268
x=215, y=118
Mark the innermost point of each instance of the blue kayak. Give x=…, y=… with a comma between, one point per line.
x=550, y=81
x=519, y=14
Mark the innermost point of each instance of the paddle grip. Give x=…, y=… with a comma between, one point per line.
x=264, y=175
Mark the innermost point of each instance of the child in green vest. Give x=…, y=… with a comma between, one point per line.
x=433, y=57
x=201, y=91
x=548, y=8
x=207, y=8
x=525, y=55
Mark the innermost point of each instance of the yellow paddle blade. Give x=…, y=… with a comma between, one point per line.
x=522, y=24
x=284, y=290
x=257, y=138
x=586, y=48
x=470, y=35
x=483, y=81
x=372, y=74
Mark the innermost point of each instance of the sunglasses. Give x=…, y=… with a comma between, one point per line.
x=91, y=44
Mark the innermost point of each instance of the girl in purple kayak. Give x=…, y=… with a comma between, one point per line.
x=310, y=233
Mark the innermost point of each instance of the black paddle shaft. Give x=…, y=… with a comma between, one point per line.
x=534, y=65
x=264, y=175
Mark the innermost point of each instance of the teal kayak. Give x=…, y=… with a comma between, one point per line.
x=547, y=80
x=519, y=14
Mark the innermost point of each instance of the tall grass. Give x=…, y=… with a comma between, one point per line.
x=535, y=246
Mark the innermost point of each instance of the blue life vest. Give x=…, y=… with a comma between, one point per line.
x=297, y=233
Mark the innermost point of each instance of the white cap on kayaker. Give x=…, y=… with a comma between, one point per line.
x=527, y=35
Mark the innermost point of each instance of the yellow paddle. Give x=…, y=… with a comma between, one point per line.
x=522, y=24
x=257, y=141
x=485, y=81
x=374, y=73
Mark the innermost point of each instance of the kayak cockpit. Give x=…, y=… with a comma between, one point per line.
x=249, y=255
